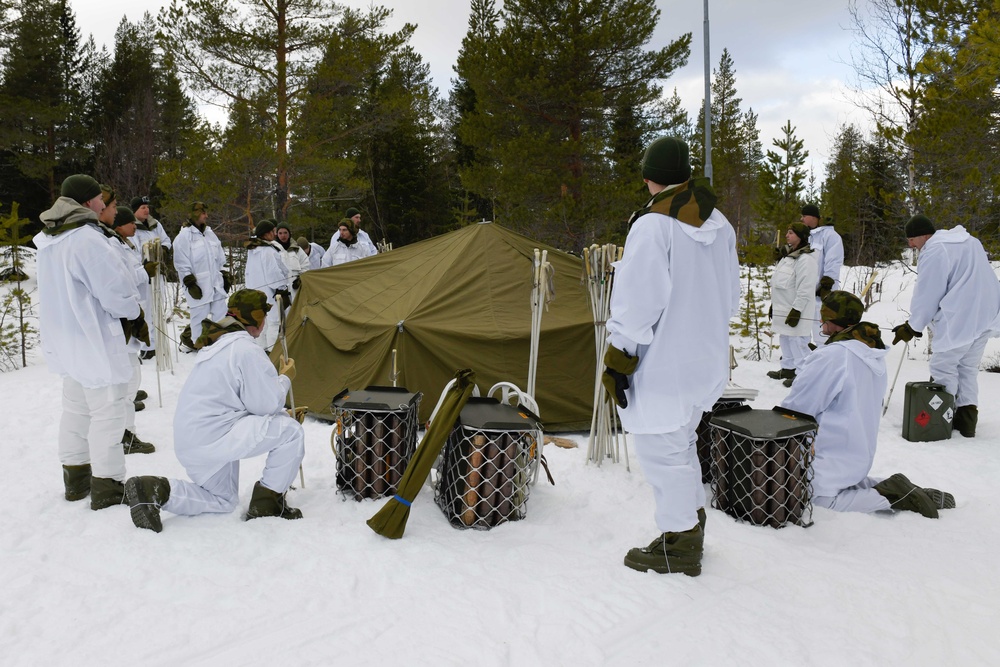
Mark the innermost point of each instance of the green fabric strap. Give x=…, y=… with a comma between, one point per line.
x=690, y=202
x=866, y=332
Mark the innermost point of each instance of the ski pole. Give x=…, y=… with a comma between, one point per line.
x=279, y=302
x=885, y=408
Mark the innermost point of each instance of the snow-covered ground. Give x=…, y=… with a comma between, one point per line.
x=88, y=588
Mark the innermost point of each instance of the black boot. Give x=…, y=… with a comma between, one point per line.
x=702, y=518
x=145, y=496
x=966, y=418
x=670, y=553
x=139, y=406
x=782, y=374
x=141, y=395
x=266, y=502
x=903, y=494
x=105, y=492
x=76, y=481
x=134, y=445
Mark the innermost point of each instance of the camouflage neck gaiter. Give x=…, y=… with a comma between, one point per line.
x=690, y=202
x=866, y=332
x=213, y=331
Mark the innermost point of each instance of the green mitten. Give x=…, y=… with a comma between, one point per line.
x=905, y=333
x=619, y=365
x=793, y=317
x=825, y=286
x=192, y=286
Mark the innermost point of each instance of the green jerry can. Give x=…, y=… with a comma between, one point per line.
x=927, y=412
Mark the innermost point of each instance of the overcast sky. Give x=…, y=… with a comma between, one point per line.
x=789, y=54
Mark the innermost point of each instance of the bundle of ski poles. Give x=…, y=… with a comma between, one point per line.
x=606, y=439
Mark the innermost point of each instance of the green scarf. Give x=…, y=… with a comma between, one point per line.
x=866, y=332
x=690, y=202
x=213, y=331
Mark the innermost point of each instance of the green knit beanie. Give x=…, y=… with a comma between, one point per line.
x=284, y=225
x=123, y=216
x=263, y=227
x=351, y=212
x=802, y=231
x=666, y=162
x=919, y=225
x=80, y=187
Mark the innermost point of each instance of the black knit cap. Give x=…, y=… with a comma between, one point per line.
x=811, y=209
x=137, y=202
x=263, y=227
x=351, y=212
x=123, y=216
x=666, y=161
x=919, y=225
x=80, y=188
x=842, y=308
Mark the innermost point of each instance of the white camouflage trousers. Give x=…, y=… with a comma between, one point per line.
x=91, y=428
x=958, y=370
x=215, y=485
x=669, y=463
x=861, y=497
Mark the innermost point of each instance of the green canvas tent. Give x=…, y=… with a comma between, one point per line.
x=459, y=300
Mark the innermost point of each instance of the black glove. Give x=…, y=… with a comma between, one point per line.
x=227, y=280
x=825, y=286
x=286, y=297
x=618, y=365
x=770, y=312
x=297, y=283
x=904, y=332
x=780, y=252
x=192, y=286
x=793, y=318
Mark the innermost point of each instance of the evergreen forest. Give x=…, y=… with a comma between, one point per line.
x=542, y=129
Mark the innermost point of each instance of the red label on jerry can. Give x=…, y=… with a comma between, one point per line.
x=923, y=418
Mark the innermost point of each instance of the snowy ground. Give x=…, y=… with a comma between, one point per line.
x=88, y=588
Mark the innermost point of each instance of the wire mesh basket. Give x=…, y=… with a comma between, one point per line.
x=485, y=469
x=761, y=464
x=704, y=435
x=374, y=438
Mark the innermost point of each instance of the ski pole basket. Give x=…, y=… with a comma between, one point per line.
x=373, y=440
x=761, y=465
x=487, y=464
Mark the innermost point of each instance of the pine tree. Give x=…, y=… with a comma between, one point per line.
x=17, y=328
x=42, y=103
x=782, y=180
x=736, y=149
x=252, y=51
x=560, y=86
x=140, y=113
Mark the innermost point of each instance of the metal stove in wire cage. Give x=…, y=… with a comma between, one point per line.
x=761, y=465
x=485, y=472
x=374, y=439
